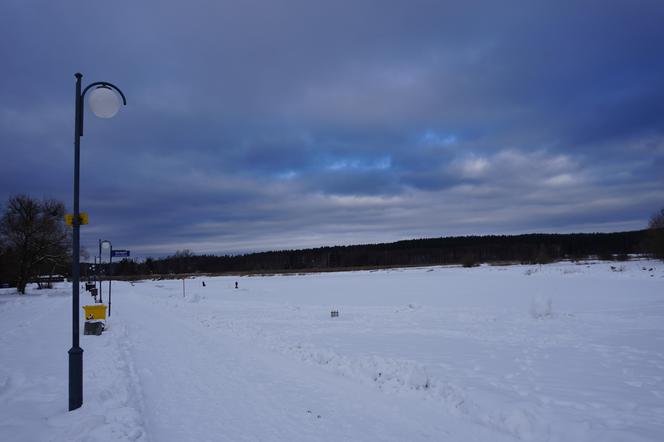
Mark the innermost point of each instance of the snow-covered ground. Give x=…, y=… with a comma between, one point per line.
x=561, y=352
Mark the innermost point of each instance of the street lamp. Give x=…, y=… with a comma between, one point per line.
x=101, y=298
x=104, y=106
x=106, y=244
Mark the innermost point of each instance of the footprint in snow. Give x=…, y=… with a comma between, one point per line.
x=309, y=412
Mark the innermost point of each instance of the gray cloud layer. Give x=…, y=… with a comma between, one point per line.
x=260, y=125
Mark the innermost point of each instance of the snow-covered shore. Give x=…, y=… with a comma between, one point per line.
x=561, y=352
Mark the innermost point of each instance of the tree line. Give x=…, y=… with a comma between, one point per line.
x=34, y=240
x=463, y=250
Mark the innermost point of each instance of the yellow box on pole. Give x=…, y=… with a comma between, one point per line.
x=83, y=219
x=95, y=311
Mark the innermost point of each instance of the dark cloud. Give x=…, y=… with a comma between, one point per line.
x=255, y=125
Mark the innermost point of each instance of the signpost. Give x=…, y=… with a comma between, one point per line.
x=117, y=254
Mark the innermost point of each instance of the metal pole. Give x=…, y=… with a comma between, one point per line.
x=95, y=277
x=76, y=352
x=110, y=279
x=101, y=299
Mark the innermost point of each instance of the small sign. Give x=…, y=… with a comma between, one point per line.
x=120, y=253
x=82, y=219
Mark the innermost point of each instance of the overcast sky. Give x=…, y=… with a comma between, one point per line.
x=259, y=125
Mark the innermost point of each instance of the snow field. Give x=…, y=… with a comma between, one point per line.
x=35, y=334
x=556, y=352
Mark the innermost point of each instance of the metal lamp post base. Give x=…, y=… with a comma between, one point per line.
x=75, y=378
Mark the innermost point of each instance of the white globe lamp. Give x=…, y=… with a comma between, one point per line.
x=104, y=102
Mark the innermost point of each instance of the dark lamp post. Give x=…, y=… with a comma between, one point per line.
x=99, y=276
x=106, y=244
x=103, y=107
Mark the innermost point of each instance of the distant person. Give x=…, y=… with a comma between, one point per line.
x=203, y=283
x=235, y=284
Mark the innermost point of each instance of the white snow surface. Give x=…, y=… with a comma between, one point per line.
x=559, y=352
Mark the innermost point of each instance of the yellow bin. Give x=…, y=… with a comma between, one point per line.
x=95, y=311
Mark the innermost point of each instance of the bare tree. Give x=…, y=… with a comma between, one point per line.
x=656, y=236
x=657, y=220
x=34, y=236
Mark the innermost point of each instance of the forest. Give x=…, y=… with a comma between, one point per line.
x=462, y=250
x=35, y=243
